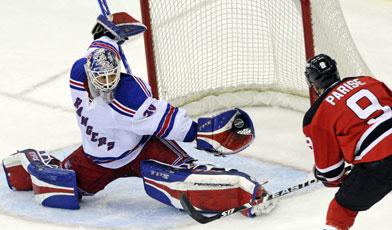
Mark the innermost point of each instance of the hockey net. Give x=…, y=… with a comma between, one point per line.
x=207, y=55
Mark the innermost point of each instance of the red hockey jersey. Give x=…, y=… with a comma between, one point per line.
x=351, y=121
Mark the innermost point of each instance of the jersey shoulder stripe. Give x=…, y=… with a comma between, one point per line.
x=122, y=109
x=129, y=96
x=143, y=86
x=78, y=75
x=77, y=85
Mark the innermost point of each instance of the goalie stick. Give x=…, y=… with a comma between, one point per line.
x=199, y=217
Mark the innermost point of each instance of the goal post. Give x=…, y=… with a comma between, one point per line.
x=208, y=55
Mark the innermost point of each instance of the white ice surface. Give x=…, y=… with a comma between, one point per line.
x=40, y=39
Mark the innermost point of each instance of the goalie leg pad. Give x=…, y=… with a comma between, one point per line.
x=208, y=189
x=52, y=186
x=18, y=179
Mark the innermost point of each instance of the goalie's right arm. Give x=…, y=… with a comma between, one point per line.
x=226, y=133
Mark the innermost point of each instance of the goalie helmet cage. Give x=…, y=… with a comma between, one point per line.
x=208, y=55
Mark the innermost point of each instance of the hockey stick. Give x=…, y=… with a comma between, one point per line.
x=199, y=217
x=104, y=7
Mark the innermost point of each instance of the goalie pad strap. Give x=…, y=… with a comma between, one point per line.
x=208, y=190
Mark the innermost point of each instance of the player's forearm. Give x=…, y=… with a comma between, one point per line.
x=192, y=133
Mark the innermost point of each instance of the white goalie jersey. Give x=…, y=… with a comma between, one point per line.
x=114, y=133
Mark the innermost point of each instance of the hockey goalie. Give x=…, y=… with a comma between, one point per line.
x=127, y=133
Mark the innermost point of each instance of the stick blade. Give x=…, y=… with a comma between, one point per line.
x=192, y=212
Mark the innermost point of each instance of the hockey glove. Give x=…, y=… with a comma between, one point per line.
x=227, y=133
x=331, y=183
x=119, y=26
x=261, y=206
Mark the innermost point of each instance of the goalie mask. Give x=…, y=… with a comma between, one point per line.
x=103, y=72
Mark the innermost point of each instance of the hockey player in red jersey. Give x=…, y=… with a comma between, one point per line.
x=350, y=122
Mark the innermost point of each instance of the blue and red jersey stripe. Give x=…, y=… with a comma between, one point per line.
x=77, y=85
x=143, y=86
x=167, y=122
x=116, y=105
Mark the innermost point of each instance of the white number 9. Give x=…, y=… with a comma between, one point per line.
x=375, y=105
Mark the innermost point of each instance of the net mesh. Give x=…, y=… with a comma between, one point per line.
x=217, y=48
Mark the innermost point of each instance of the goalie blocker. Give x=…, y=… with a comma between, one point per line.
x=209, y=189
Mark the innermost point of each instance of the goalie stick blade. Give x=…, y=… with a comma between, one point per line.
x=196, y=215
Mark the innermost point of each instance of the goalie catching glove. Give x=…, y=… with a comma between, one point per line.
x=227, y=133
x=119, y=26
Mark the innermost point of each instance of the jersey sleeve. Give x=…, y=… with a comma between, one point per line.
x=159, y=118
x=328, y=157
x=144, y=115
x=78, y=75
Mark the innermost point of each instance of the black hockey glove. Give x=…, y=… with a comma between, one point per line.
x=328, y=183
